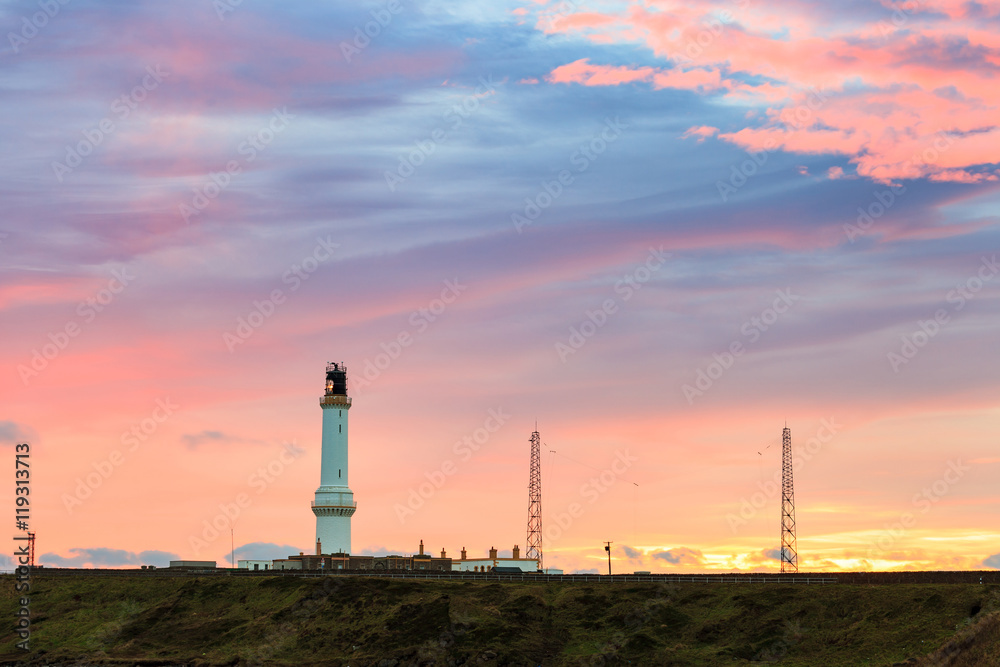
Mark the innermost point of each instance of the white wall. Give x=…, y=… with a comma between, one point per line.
x=525, y=564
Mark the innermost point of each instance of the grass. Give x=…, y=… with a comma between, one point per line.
x=363, y=621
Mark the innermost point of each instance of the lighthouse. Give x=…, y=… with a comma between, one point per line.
x=334, y=504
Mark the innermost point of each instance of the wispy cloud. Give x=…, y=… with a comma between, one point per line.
x=12, y=433
x=212, y=437
x=105, y=557
x=267, y=551
x=681, y=556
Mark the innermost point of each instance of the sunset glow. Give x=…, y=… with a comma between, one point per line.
x=661, y=231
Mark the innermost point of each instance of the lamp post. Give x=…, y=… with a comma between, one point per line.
x=607, y=547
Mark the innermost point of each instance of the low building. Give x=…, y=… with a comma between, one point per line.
x=397, y=563
x=423, y=561
x=290, y=563
x=193, y=564
x=466, y=564
x=254, y=565
x=390, y=563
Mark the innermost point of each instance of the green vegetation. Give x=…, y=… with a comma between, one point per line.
x=396, y=622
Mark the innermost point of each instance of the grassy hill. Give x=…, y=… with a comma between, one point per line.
x=398, y=622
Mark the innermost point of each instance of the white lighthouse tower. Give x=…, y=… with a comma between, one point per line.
x=334, y=504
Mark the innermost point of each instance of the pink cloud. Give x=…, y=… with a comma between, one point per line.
x=695, y=79
x=701, y=131
x=583, y=20
x=961, y=176
x=872, y=91
x=582, y=72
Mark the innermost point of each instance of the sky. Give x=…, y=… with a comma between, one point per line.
x=659, y=231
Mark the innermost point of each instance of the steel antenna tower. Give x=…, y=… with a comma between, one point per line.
x=789, y=555
x=535, y=500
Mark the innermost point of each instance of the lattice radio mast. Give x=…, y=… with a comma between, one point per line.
x=789, y=555
x=535, y=500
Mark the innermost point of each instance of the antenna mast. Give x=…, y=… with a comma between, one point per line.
x=789, y=555
x=535, y=500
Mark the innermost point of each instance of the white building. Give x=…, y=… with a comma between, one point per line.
x=334, y=504
x=254, y=565
x=465, y=564
x=287, y=564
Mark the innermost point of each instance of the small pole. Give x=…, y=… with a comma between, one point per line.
x=232, y=546
x=607, y=547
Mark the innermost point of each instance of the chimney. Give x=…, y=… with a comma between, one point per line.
x=319, y=548
x=493, y=552
x=443, y=554
x=421, y=547
x=517, y=552
x=463, y=553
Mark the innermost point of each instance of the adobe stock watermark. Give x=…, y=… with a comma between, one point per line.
x=558, y=523
x=580, y=160
x=464, y=449
x=901, y=13
x=364, y=34
x=713, y=26
x=752, y=330
x=420, y=319
x=777, y=650
x=922, y=502
x=217, y=182
x=625, y=288
x=280, y=635
x=911, y=344
x=31, y=25
x=104, y=636
x=637, y=618
x=883, y=200
x=87, y=311
x=122, y=107
x=796, y=117
x=138, y=433
x=750, y=507
x=562, y=10
x=264, y=309
x=224, y=7
x=454, y=116
x=740, y=174
x=260, y=480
